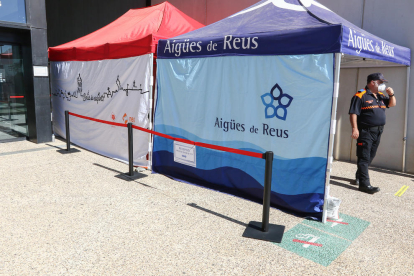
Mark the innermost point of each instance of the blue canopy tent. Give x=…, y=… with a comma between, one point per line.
x=266, y=78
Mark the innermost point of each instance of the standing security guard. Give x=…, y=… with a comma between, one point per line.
x=367, y=116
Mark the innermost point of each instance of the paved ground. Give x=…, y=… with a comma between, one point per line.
x=69, y=214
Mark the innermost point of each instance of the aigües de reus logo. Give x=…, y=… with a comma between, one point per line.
x=276, y=95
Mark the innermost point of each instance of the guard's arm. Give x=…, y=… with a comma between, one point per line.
x=355, y=131
x=392, y=101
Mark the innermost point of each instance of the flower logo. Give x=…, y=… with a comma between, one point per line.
x=284, y=100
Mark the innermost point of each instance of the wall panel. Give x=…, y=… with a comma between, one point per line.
x=71, y=19
x=343, y=141
x=196, y=9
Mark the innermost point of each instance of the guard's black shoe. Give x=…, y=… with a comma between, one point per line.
x=356, y=182
x=369, y=189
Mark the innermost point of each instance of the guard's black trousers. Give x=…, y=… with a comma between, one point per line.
x=367, y=145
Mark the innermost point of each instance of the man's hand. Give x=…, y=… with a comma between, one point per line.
x=389, y=91
x=355, y=133
x=393, y=101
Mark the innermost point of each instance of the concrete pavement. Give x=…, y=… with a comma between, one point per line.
x=71, y=214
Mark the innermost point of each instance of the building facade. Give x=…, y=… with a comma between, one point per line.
x=390, y=20
x=72, y=19
x=24, y=81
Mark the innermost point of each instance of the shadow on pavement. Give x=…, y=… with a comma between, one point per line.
x=333, y=182
x=391, y=172
x=342, y=178
x=217, y=214
x=109, y=169
x=62, y=147
x=125, y=176
x=387, y=171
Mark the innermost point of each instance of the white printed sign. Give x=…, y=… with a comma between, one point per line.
x=185, y=154
x=40, y=71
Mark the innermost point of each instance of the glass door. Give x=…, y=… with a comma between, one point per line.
x=13, y=111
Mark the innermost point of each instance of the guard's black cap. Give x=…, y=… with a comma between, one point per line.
x=376, y=76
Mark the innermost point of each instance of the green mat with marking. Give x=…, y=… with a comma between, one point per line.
x=323, y=243
x=346, y=227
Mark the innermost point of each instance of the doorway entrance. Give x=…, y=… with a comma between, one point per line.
x=13, y=108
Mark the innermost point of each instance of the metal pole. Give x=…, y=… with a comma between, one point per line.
x=151, y=111
x=267, y=190
x=332, y=132
x=407, y=91
x=130, y=150
x=10, y=109
x=67, y=130
x=267, y=232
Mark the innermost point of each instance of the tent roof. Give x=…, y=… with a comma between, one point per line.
x=283, y=27
x=135, y=33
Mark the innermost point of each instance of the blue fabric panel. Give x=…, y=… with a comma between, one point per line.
x=282, y=27
x=258, y=103
x=325, y=39
x=358, y=42
x=224, y=179
x=288, y=175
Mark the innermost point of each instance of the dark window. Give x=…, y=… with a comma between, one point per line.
x=13, y=111
x=13, y=11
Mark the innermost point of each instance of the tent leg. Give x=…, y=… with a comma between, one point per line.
x=151, y=111
x=407, y=91
x=332, y=133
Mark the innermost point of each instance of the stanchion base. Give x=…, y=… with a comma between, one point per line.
x=64, y=151
x=135, y=176
x=254, y=231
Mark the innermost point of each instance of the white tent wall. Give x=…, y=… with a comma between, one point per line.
x=393, y=21
x=114, y=90
x=390, y=153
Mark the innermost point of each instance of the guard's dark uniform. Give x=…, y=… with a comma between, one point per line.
x=371, y=121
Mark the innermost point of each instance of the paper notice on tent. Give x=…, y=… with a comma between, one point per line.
x=255, y=103
x=110, y=90
x=185, y=154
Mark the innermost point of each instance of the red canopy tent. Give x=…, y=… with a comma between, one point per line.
x=88, y=74
x=135, y=33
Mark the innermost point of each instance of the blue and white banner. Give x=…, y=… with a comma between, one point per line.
x=282, y=27
x=256, y=103
x=359, y=42
x=111, y=90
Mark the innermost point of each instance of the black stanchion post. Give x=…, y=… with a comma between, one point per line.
x=131, y=175
x=67, y=130
x=10, y=109
x=267, y=190
x=130, y=150
x=264, y=230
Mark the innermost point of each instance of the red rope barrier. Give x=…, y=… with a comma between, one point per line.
x=204, y=145
x=97, y=120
